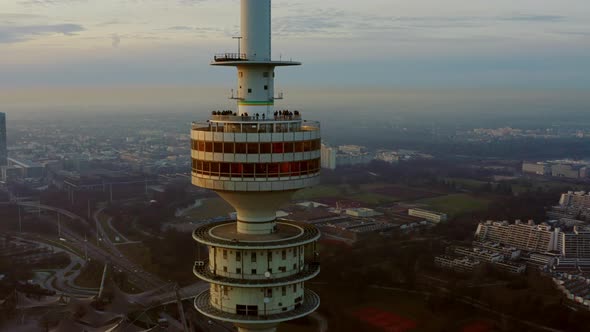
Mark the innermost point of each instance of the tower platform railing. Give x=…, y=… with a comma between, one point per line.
x=223, y=57
x=242, y=118
x=309, y=234
x=255, y=126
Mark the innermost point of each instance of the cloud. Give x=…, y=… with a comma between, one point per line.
x=14, y=34
x=534, y=18
x=47, y=2
x=115, y=40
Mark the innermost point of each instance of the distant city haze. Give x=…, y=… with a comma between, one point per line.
x=374, y=43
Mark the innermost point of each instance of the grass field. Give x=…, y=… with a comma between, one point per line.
x=456, y=204
x=365, y=193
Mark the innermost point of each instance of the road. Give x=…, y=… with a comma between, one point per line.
x=109, y=254
x=135, y=271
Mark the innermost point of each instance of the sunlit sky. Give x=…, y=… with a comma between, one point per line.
x=407, y=43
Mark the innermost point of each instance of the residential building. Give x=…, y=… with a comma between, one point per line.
x=462, y=264
x=575, y=244
x=328, y=157
x=3, y=148
x=523, y=236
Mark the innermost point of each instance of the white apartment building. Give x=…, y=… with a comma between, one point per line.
x=523, y=236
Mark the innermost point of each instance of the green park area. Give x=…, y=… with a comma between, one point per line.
x=456, y=204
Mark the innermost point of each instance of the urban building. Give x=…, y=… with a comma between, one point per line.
x=508, y=253
x=3, y=147
x=255, y=159
x=479, y=254
x=345, y=155
x=431, y=216
x=510, y=267
x=575, y=287
x=328, y=157
x=575, y=199
x=564, y=169
x=363, y=212
x=458, y=264
x=540, y=168
x=524, y=236
x=569, y=171
x=575, y=244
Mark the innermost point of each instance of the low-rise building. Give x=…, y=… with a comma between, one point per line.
x=539, y=168
x=479, y=254
x=362, y=212
x=461, y=264
x=510, y=267
x=432, y=216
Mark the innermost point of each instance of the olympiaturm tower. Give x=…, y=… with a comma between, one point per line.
x=255, y=158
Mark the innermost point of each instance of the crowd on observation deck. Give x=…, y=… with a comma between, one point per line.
x=278, y=115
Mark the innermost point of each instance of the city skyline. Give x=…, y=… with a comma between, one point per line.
x=532, y=44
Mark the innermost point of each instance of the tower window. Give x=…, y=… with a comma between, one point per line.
x=253, y=257
x=238, y=256
x=269, y=292
x=238, y=270
x=224, y=254
x=225, y=269
x=253, y=271
x=249, y=90
x=284, y=291
x=266, y=87
x=284, y=254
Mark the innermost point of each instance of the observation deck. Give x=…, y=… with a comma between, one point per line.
x=241, y=59
x=226, y=235
x=309, y=271
x=310, y=302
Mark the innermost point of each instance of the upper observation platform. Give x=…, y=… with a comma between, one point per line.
x=241, y=59
x=226, y=235
x=261, y=123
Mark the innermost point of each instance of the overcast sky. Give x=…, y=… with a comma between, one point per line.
x=398, y=43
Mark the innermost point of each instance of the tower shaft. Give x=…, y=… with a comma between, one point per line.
x=255, y=159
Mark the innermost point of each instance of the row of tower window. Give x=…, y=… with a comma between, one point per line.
x=268, y=292
x=253, y=255
x=258, y=170
x=257, y=148
x=282, y=269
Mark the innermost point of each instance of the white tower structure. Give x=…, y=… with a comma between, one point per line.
x=256, y=158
